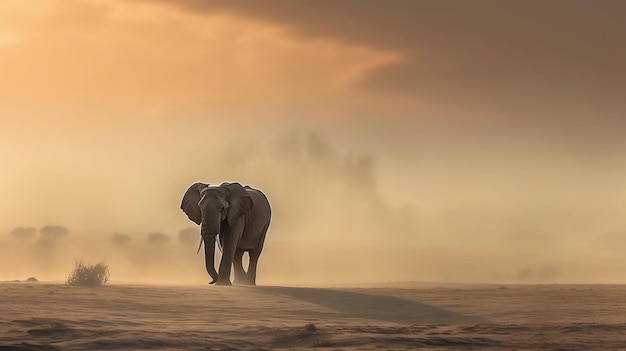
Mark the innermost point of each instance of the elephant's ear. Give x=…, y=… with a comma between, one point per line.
x=190, y=202
x=240, y=203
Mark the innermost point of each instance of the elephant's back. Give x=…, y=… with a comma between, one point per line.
x=261, y=205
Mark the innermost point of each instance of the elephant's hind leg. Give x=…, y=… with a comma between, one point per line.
x=240, y=273
x=254, y=259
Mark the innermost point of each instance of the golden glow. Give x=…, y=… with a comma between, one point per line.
x=147, y=60
x=110, y=109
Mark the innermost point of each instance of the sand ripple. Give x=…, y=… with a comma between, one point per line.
x=269, y=318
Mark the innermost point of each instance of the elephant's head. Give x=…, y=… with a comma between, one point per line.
x=214, y=207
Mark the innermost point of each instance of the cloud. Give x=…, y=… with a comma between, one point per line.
x=533, y=56
x=142, y=61
x=23, y=233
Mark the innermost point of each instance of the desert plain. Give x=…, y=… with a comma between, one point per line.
x=428, y=316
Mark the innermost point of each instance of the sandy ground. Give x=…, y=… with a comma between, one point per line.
x=44, y=316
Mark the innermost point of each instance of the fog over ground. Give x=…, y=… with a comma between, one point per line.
x=468, y=146
x=335, y=222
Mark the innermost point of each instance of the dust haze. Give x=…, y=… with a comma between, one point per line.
x=335, y=222
x=465, y=146
x=330, y=222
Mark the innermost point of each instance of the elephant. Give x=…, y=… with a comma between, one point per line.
x=239, y=217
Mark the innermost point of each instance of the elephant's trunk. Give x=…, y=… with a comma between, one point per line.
x=209, y=232
x=209, y=259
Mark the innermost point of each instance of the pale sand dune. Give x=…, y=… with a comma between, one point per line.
x=41, y=316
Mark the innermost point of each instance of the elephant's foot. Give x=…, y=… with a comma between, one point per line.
x=245, y=280
x=240, y=279
x=223, y=282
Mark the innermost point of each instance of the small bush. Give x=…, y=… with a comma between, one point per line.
x=89, y=275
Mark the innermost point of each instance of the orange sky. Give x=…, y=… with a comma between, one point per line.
x=476, y=123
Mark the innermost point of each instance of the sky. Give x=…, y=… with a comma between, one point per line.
x=397, y=141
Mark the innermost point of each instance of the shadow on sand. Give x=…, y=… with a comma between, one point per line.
x=377, y=307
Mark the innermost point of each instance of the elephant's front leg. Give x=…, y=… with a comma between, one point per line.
x=231, y=239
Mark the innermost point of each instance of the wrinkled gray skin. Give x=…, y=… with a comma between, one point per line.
x=240, y=215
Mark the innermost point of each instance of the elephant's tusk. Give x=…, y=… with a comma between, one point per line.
x=217, y=240
x=199, y=245
x=219, y=244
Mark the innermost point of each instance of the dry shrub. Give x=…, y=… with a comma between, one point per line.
x=89, y=275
